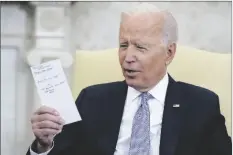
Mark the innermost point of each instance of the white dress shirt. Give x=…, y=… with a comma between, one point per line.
x=156, y=105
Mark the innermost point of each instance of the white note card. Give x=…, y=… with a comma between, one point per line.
x=54, y=91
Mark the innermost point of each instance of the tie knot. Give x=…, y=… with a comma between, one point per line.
x=145, y=96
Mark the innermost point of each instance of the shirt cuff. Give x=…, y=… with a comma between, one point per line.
x=44, y=153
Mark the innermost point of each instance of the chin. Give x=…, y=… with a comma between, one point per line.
x=132, y=82
x=136, y=84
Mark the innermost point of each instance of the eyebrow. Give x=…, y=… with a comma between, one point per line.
x=141, y=43
x=137, y=42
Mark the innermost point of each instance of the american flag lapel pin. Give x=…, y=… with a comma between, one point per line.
x=176, y=105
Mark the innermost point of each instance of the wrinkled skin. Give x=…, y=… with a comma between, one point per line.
x=142, y=54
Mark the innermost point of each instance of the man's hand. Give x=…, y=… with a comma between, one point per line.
x=46, y=123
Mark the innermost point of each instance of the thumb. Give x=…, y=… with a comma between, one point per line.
x=51, y=137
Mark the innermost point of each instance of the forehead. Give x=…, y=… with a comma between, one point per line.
x=141, y=24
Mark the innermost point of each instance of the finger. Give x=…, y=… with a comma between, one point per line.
x=41, y=133
x=51, y=137
x=45, y=140
x=45, y=109
x=47, y=124
x=48, y=117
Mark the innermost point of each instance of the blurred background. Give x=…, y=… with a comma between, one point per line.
x=33, y=32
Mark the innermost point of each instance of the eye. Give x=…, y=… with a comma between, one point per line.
x=140, y=48
x=123, y=45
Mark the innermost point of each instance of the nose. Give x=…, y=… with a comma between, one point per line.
x=130, y=56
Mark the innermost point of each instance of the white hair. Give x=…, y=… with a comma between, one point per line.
x=170, y=30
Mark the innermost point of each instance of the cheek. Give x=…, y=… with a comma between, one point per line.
x=154, y=64
x=121, y=56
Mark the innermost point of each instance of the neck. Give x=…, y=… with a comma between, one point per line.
x=146, y=89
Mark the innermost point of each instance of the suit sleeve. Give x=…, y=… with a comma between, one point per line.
x=220, y=142
x=71, y=139
x=44, y=153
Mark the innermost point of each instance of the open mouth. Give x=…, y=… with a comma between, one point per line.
x=130, y=71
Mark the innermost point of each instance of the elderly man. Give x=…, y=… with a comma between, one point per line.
x=147, y=114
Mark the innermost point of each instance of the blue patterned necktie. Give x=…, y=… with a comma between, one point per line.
x=140, y=137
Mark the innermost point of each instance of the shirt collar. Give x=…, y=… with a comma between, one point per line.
x=158, y=91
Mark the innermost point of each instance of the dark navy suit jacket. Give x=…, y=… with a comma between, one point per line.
x=195, y=128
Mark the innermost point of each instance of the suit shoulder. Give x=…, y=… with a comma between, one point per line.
x=196, y=90
x=198, y=96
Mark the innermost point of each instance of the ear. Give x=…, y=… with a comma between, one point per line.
x=171, y=51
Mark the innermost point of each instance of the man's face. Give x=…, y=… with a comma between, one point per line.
x=141, y=53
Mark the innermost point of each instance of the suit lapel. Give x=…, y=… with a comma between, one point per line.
x=170, y=125
x=107, y=142
x=171, y=119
